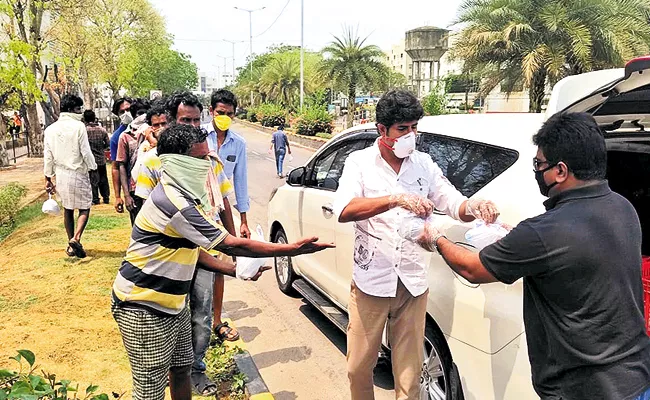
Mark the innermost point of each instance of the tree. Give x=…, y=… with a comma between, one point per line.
x=350, y=63
x=534, y=43
x=435, y=103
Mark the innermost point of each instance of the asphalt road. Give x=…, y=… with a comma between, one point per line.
x=300, y=354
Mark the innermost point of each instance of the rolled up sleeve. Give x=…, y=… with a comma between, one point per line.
x=443, y=194
x=350, y=186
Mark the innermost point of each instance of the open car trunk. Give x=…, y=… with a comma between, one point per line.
x=628, y=172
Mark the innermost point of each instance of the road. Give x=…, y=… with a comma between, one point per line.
x=300, y=354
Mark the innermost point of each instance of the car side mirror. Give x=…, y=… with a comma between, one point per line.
x=297, y=177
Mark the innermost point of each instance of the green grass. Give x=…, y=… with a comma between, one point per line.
x=25, y=215
x=104, y=222
x=324, y=135
x=13, y=305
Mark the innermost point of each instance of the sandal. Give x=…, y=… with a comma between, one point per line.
x=78, y=248
x=202, y=385
x=226, y=334
x=70, y=252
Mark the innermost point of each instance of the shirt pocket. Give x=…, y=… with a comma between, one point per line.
x=415, y=184
x=373, y=187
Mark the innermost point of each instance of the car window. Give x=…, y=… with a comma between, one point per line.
x=468, y=165
x=328, y=168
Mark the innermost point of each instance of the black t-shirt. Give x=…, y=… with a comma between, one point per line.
x=583, y=295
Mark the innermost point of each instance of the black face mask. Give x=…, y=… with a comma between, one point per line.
x=539, y=177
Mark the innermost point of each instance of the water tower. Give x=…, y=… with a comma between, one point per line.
x=426, y=46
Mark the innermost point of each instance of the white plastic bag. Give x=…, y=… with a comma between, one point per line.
x=483, y=235
x=290, y=157
x=51, y=206
x=248, y=267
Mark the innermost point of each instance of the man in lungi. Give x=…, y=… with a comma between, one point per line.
x=67, y=155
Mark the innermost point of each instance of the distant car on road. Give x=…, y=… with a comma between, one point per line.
x=475, y=343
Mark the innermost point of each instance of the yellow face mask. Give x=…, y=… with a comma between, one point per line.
x=222, y=122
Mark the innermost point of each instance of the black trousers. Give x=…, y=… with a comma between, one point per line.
x=99, y=184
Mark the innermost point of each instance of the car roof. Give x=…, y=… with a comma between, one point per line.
x=505, y=130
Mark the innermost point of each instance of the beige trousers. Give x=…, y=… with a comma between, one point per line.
x=406, y=320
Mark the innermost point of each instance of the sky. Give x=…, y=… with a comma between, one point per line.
x=200, y=26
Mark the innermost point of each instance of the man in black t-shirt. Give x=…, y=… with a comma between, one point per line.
x=581, y=265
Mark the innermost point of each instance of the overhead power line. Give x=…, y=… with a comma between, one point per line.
x=276, y=20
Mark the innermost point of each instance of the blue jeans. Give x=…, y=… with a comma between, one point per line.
x=644, y=396
x=201, y=309
x=279, y=159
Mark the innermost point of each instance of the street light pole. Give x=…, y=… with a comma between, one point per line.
x=302, y=53
x=250, y=30
x=233, y=56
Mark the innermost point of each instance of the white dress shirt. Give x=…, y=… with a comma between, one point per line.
x=381, y=256
x=66, y=146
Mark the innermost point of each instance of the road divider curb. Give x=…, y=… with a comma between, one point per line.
x=305, y=142
x=255, y=386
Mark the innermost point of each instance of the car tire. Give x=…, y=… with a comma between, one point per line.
x=440, y=379
x=283, y=266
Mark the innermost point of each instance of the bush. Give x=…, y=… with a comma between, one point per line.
x=10, y=197
x=269, y=114
x=312, y=121
x=435, y=103
x=324, y=135
x=29, y=385
x=251, y=114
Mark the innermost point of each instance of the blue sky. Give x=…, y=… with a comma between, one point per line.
x=200, y=25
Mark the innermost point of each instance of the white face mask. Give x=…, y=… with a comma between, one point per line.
x=404, y=146
x=126, y=118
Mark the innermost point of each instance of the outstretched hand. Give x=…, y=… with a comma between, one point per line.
x=309, y=246
x=259, y=273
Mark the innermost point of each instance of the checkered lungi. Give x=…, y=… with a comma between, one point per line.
x=73, y=189
x=153, y=344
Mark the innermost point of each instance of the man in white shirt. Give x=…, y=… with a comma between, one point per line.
x=379, y=186
x=67, y=155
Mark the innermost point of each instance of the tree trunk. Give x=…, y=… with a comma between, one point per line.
x=35, y=132
x=537, y=91
x=4, y=156
x=352, y=104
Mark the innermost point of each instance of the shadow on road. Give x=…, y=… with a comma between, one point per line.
x=282, y=356
x=237, y=310
x=284, y=395
x=383, y=376
x=248, y=333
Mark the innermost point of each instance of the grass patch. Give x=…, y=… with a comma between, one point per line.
x=25, y=215
x=324, y=135
x=221, y=368
x=16, y=304
x=104, y=222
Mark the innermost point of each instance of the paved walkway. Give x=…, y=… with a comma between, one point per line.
x=27, y=171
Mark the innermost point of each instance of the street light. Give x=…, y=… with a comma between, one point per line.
x=233, y=55
x=224, y=68
x=250, y=26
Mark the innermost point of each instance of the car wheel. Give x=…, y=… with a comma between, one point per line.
x=439, y=379
x=283, y=267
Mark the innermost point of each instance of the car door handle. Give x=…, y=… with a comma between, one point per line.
x=328, y=208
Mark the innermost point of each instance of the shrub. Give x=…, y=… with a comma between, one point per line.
x=312, y=121
x=324, y=135
x=252, y=114
x=10, y=197
x=269, y=114
x=435, y=103
x=45, y=386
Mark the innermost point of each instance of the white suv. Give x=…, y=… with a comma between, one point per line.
x=475, y=341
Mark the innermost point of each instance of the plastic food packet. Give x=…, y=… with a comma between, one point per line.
x=248, y=267
x=483, y=235
x=419, y=230
x=51, y=206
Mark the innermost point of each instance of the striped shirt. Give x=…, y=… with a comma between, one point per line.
x=157, y=271
x=151, y=170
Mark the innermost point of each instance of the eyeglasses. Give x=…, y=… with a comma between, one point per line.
x=537, y=163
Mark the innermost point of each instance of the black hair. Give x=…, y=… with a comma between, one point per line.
x=281, y=127
x=223, y=96
x=157, y=108
x=69, y=102
x=179, y=139
x=118, y=103
x=139, y=106
x=182, y=97
x=89, y=116
x=398, y=106
x=577, y=140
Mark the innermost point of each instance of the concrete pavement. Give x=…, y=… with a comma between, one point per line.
x=300, y=354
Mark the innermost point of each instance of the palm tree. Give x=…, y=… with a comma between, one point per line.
x=535, y=43
x=281, y=79
x=349, y=63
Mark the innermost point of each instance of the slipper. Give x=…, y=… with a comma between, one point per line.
x=78, y=248
x=70, y=252
x=202, y=385
x=225, y=334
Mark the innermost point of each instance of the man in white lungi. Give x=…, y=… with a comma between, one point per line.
x=67, y=156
